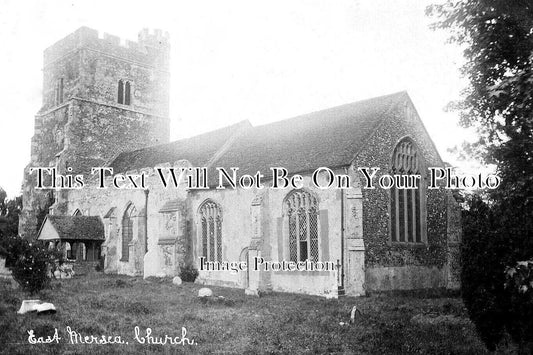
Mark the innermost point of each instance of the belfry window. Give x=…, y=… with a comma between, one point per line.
x=127, y=92
x=124, y=92
x=407, y=213
x=301, y=212
x=210, y=217
x=120, y=92
x=58, y=99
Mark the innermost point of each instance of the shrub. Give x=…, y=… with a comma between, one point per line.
x=188, y=273
x=519, y=288
x=499, y=299
x=482, y=276
x=31, y=263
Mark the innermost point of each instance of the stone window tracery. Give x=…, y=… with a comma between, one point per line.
x=124, y=92
x=210, y=216
x=407, y=214
x=301, y=211
x=127, y=231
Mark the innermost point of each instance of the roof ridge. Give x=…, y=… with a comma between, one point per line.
x=331, y=108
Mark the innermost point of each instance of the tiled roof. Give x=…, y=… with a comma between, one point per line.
x=330, y=138
x=198, y=150
x=77, y=227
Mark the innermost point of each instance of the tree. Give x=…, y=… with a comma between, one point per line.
x=498, y=39
x=3, y=196
x=31, y=263
x=9, y=212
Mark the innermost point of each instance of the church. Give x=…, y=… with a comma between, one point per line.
x=106, y=104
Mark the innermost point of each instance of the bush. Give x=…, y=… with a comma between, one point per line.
x=10, y=247
x=188, y=273
x=31, y=263
x=482, y=273
x=519, y=288
x=499, y=299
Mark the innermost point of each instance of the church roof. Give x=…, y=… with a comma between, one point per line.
x=198, y=150
x=74, y=227
x=330, y=138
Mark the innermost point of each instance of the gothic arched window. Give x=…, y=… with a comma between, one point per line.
x=59, y=92
x=210, y=217
x=407, y=213
x=301, y=211
x=127, y=231
x=120, y=98
x=127, y=93
x=124, y=92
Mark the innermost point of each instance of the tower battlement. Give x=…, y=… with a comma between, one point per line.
x=156, y=37
x=151, y=46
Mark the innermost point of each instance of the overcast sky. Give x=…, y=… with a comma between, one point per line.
x=233, y=60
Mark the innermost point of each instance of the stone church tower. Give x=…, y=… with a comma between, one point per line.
x=101, y=96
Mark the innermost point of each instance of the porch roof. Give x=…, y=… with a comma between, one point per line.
x=72, y=228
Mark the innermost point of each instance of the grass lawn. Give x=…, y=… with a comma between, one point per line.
x=275, y=323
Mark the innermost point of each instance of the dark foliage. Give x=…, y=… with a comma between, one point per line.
x=30, y=263
x=482, y=282
x=498, y=102
x=188, y=273
x=519, y=288
x=491, y=290
x=9, y=213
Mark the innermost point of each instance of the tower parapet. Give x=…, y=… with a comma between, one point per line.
x=155, y=38
x=149, y=46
